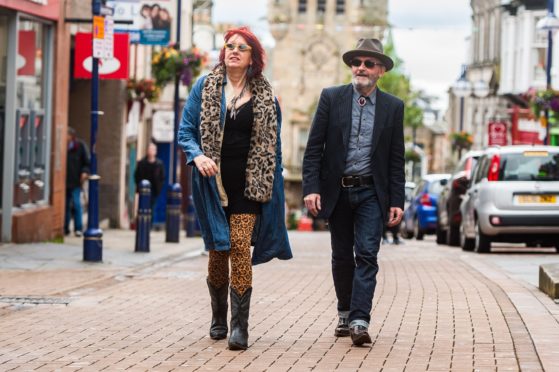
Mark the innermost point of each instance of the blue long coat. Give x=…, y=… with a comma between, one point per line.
x=270, y=230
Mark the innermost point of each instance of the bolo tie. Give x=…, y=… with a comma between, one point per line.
x=361, y=101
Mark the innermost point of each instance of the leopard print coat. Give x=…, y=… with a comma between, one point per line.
x=261, y=162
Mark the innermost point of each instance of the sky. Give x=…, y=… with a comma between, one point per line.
x=430, y=37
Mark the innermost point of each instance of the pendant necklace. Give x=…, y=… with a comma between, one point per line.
x=234, y=109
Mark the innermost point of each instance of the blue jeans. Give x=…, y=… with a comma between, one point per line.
x=73, y=203
x=356, y=226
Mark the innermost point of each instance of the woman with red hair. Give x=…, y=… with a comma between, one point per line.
x=230, y=133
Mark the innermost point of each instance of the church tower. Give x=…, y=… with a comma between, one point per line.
x=311, y=36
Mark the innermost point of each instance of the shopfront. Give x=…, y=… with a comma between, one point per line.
x=27, y=92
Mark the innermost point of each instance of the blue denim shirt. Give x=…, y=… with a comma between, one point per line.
x=359, y=158
x=270, y=232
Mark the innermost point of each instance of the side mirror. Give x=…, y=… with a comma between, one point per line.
x=444, y=182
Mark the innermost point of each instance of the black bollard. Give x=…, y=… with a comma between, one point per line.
x=143, y=220
x=173, y=218
x=192, y=225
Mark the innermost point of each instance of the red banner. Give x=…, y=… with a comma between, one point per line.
x=25, y=60
x=497, y=132
x=115, y=68
x=526, y=129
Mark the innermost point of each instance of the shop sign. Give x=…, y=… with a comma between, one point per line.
x=151, y=20
x=109, y=68
x=163, y=126
x=25, y=60
x=497, y=132
x=41, y=2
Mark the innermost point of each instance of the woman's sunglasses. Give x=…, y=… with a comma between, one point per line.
x=368, y=63
x=241, y=47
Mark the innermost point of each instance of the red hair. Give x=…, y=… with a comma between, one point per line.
x=257, y=53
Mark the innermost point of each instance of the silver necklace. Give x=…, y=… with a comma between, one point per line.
x=234, y=109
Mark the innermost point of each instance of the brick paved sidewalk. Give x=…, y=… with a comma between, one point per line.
x=434, y=310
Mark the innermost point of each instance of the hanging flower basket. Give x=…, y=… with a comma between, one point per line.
x=169, y=62
x=412, y=155
x=144, y=89
x=540, y=100
x=461, y=140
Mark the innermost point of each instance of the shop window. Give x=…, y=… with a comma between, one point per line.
x=31, y=124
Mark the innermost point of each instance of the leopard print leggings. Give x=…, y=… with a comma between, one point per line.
x=241, y=226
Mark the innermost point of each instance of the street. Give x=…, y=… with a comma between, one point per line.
x=436, y=308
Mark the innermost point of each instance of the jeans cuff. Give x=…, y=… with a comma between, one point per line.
x=359, y=322
x=343, y=314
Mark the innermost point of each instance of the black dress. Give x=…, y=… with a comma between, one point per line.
x=234, y=154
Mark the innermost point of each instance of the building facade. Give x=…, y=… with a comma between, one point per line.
x=311, y=36
x=34, y=50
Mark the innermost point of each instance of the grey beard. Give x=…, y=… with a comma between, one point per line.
x=359, y=86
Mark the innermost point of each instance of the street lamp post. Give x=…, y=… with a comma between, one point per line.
x=548, y=24
x=463, y=88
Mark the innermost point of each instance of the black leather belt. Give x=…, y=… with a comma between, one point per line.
x=356, y=181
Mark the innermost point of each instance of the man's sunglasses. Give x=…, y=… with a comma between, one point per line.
x=368, y=63
x=241, y=47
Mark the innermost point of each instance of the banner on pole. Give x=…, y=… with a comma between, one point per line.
x=109, y=68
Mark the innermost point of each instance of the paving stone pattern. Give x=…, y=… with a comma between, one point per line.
x=433, y=311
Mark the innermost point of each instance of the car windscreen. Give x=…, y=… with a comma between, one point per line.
x=529, y=166
x=435, y=187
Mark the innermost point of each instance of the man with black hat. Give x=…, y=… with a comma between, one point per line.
x=353, y=175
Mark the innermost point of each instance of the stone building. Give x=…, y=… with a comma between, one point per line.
x=311, y=36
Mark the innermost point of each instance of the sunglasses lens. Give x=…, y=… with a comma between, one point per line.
x=243, y=47
x=369, y=64
x=355, y=62
x=230, y=46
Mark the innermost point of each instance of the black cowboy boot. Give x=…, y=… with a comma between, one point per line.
x=218, y=329
x=240, y=306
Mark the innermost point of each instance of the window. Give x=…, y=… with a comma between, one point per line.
x=302, y=6
x=321, y=6
x=340, y=6
x=32, y=128
x=529, y=166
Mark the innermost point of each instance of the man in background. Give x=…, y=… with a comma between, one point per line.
x=77, y=171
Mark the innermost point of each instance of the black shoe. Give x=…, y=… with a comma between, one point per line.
x=342, y=329
x=359, y=335
x=240, y=306
x=218, y=329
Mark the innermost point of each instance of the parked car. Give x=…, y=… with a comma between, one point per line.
x=450, y=198
x=420, y=217
x=513, y=197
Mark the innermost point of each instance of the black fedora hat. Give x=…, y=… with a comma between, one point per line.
x=369, y=48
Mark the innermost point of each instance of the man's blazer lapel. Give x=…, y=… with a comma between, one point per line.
x=381, y=113
x=345, y=115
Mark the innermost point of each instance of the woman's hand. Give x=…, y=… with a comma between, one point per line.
x=206, y=166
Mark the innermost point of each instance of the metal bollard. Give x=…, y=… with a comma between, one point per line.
x=143, y=220
x=172, y=223
x=192, y=225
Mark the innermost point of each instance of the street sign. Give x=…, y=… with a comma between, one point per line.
x=108, y=41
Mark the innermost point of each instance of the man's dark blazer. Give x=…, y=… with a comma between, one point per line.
x=325, y=156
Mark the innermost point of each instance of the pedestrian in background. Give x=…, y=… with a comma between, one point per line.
x=152, y=169
x=230, y=133
x=77, y=170
x=357, y=184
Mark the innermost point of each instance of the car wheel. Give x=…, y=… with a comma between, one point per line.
x=417, y=231
x=453, y=236
x=404, y=230
x=441, y=235
x=482, y=241
x=466, y=243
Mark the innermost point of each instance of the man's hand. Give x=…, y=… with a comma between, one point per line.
x=83, y=177
x=395, y=216
x=206, y=166
x=312, y=202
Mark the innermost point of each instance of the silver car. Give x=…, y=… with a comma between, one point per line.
x=513, y=196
